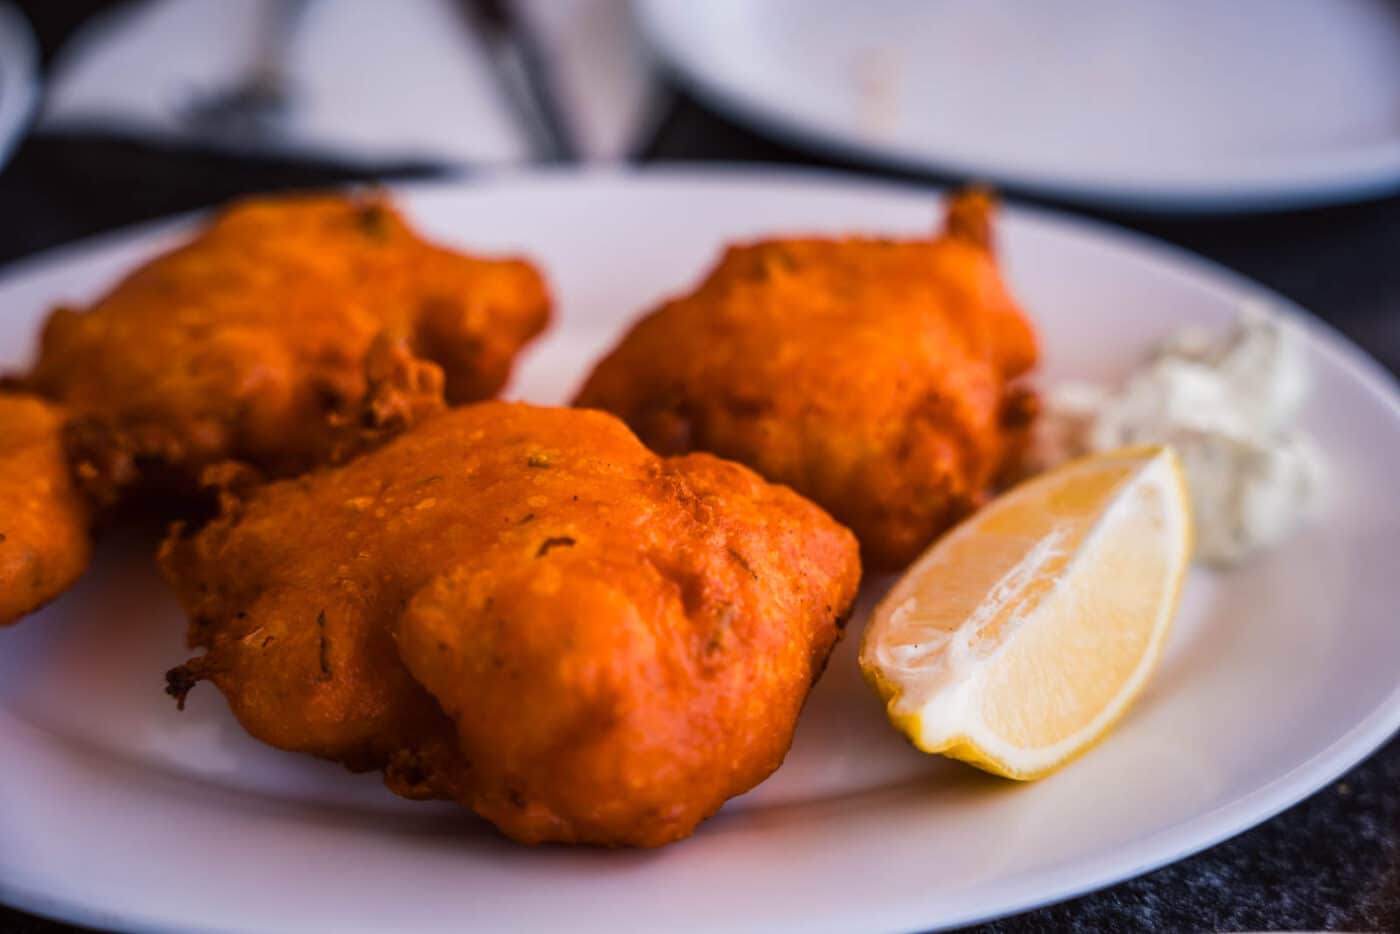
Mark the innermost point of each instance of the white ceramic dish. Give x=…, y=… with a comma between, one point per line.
x=1155, y=105
x=117, y=810
x=19, y=80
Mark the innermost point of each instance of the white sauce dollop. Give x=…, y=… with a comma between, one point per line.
x=1227, y=403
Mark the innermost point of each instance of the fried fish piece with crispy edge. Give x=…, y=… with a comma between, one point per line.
x=249, y=342
x=44, y=540
x=872, y=375
x=526, y=610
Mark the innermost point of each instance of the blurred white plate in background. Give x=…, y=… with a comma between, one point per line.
x=117, y=810
x=1163, y=105
x=19, y=80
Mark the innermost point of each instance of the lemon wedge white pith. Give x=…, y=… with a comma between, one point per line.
x=1019, y=638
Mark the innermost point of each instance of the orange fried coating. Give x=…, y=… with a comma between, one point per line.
x=525, y=610
x=871, y=375
x=44, y=543
x=249, y=342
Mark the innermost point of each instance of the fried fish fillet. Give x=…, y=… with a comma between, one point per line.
x=874, y=376
x=249, y=342
x=527, y=611
x=44, y=542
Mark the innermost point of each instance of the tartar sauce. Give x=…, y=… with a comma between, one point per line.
x=1228, y=403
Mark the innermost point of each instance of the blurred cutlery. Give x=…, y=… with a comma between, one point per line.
x=522, y=73
x=258, y=104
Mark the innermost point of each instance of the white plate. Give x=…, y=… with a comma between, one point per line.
x=117, y=810
x=1155, y=104
x=18, y=80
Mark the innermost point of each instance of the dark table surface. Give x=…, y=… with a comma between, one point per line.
x=1329, y=863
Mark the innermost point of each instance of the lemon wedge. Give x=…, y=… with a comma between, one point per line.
x=1019, y=639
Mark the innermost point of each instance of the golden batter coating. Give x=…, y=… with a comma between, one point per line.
x=44, y=542
x=526, y=610
x=872, y=375
x=249, y=342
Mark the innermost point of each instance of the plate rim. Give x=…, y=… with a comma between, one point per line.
x=1374, y=170
x=18, y=66
x=1060, y=881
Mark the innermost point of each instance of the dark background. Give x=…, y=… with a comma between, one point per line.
x=1330, y=863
